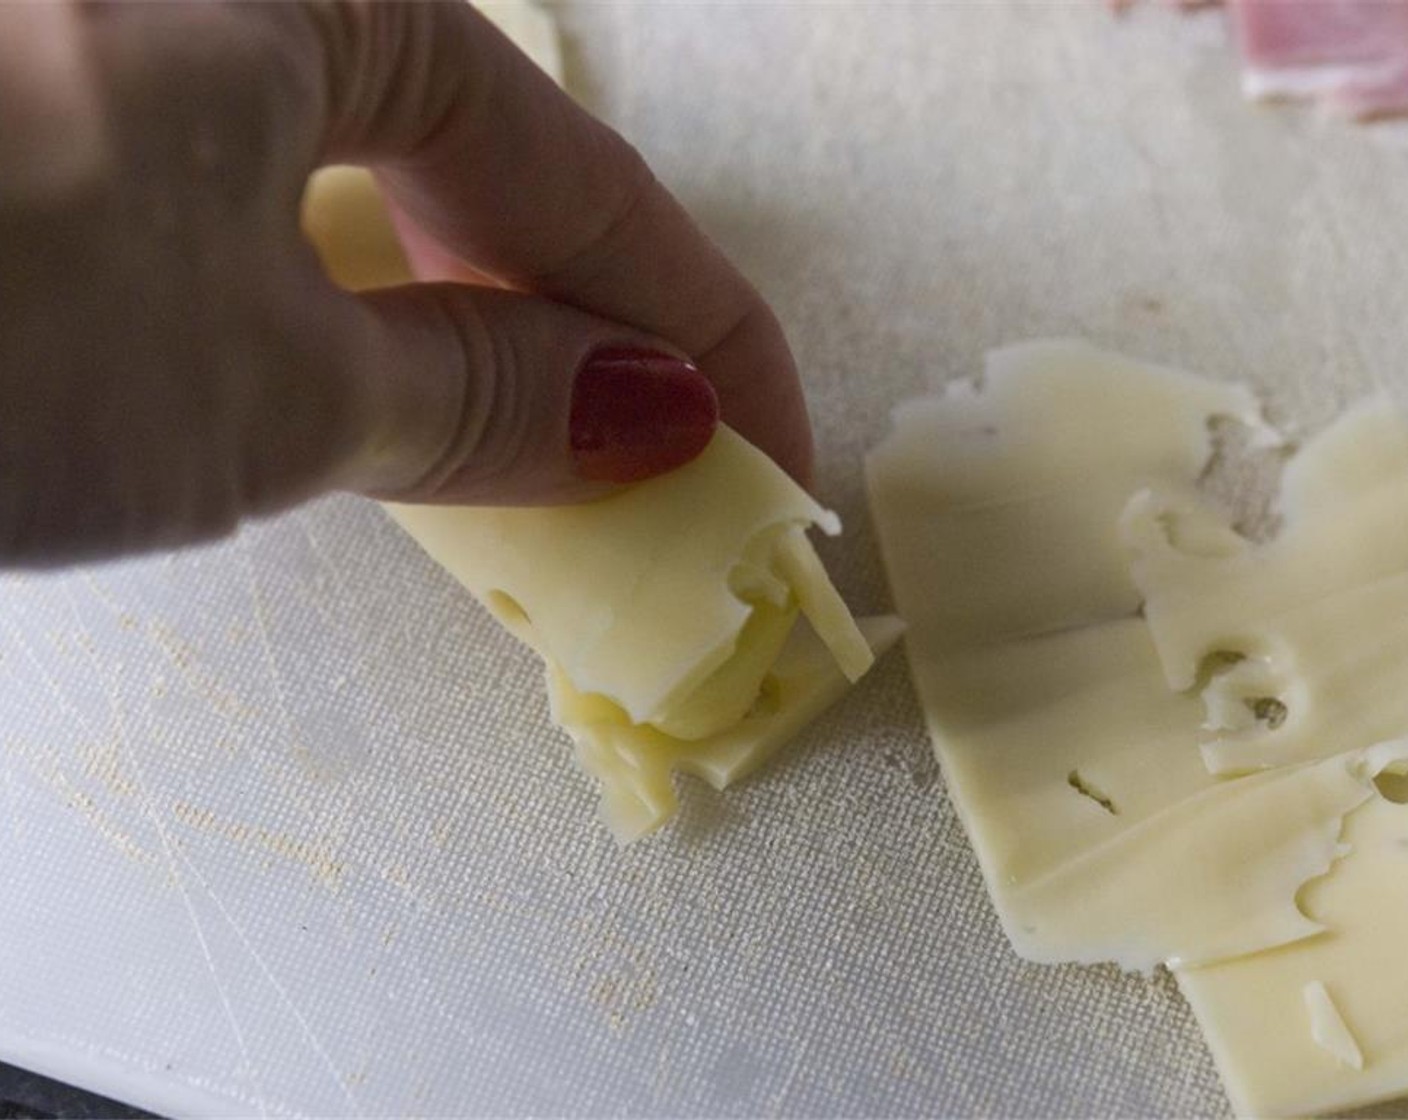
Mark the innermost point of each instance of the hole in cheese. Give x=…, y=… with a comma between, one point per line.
x=507, y=610
x=769, y=698
x=1269, y=710
x=1085, y=789
x=1392, y=787
x=1214, y=664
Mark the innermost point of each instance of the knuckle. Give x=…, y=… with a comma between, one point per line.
x=487, y=430
x=597, y=248
x=478, y=378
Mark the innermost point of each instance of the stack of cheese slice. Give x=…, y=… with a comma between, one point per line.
x=1170, y=745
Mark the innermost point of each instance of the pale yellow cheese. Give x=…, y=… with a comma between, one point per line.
x=1076, y=769
x=1342, y=503
x=1328, y=1028
x=1213, y=877
x=1252, y=1011
x=1012, y=490
x=345, y=219
x=1091, y=754
x=1320, y=612
x=663, y=616
x=636, y=763
x=667, y=614
x=1077, y=775
x=633, y=597
x=1055, y=746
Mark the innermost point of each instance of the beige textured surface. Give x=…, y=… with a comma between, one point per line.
x=288, y=822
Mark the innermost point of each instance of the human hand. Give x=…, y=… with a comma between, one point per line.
x=173, y=358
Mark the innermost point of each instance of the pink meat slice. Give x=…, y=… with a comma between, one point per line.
x=1354, y=53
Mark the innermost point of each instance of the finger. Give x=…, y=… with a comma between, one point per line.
x=487, y=156
x=428, y=259
x=492, y=397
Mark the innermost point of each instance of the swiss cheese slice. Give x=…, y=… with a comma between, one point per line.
x=1280, y=1055
x=999, y=502
x=1318, y=616
x=642, y=597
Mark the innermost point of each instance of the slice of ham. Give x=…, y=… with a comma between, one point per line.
x=1352, y=53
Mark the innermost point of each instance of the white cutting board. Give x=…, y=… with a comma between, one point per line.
x=286, y=829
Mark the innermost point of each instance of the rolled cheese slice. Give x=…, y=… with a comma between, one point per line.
x=670, y=600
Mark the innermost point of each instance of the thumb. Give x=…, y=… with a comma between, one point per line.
x=483, y=396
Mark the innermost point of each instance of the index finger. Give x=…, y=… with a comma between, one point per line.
x=482, y=151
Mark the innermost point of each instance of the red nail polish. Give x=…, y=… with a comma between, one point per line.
x=639, y=413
